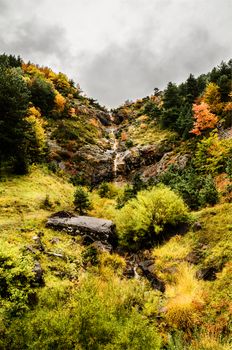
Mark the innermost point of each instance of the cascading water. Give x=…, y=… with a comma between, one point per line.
x=116, y=156
x=116, y=159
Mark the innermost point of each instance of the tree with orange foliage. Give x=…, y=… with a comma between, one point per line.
x=204, y=119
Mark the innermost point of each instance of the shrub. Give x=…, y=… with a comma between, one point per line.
x=196, y=190
x=129, y=143
x=212, y=153
x=81, y=201
x=16, y=280
x=229, y=168
x=78, y=179
x=108, y=190
x=42, y=94
x=142, y=218
x=97, y=314
x=128, y=193
x=104, y=190
x=208, y=193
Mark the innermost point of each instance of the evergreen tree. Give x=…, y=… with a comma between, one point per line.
x=171, y=106
x=191, y=89
x=43, y=95
x=14, y=101
x=81, y=201
x=10, y=61
x=185, y=121
x=224, y=83
x=171, y=97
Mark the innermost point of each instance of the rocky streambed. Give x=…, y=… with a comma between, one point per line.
x=100, y=234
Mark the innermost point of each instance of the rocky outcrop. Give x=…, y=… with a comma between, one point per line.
x=92, y=229
x=96, y=163
x=168, y=159
x=137, y=157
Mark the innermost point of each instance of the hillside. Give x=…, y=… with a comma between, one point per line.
x=160, y=169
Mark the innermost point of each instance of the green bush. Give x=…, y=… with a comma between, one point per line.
x=16, y=280
x=42, y=94
x=208, y=193
x=147, y=215
x=104, y=190
x=95, y=315
x=196, y=189
x=129, y=143
x=123, y=198
x=229, y=167
x=79, y=179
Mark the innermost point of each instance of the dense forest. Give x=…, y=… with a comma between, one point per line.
x=152, y=180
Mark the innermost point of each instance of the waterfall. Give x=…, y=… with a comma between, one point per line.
x=116, y=158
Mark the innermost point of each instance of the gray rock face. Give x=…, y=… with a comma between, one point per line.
x=98, y=229
x=95, y=162
x=169, y=158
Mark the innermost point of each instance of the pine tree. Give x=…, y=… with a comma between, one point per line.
x=81, y=201
x=14, y=101
x=191, y=89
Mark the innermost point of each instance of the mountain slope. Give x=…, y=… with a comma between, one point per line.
x=160, y=168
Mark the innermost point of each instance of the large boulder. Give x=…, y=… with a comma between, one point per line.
x=96, y=229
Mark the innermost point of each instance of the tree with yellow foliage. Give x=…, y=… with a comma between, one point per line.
x=212, y=97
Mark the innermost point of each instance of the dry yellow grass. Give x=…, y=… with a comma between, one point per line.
x=184, y=299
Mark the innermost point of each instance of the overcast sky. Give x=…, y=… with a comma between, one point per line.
x=119, y=49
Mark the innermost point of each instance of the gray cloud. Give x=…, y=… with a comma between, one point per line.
x=119, y=49
x=132, y=71
x=32, y=38
x=3, y=7
x=42, y=44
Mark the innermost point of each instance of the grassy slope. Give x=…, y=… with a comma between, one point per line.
x=27, y=201
x=143, y=131
x=192, y=302
x=187, y=302
x=73, y=293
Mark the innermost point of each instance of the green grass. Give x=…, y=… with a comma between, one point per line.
x=81, y=298
x=147, y=132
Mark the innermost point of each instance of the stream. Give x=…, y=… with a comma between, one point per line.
x=116, y=154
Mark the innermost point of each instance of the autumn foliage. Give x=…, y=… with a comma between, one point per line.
x=204, y=119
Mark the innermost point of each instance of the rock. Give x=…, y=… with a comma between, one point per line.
x=207, y=274
x=38, y=243
x=147, y=267
x=31, y=249
x=104, y=118
x=95, y=162
x=193, y=257
x=62, y=214
x=196, y=226
x=38, y=271
x=99, y=246
x=87, y=240
x=56, y=255
x=169, y=158
x=97, y=229
x=54, y=240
